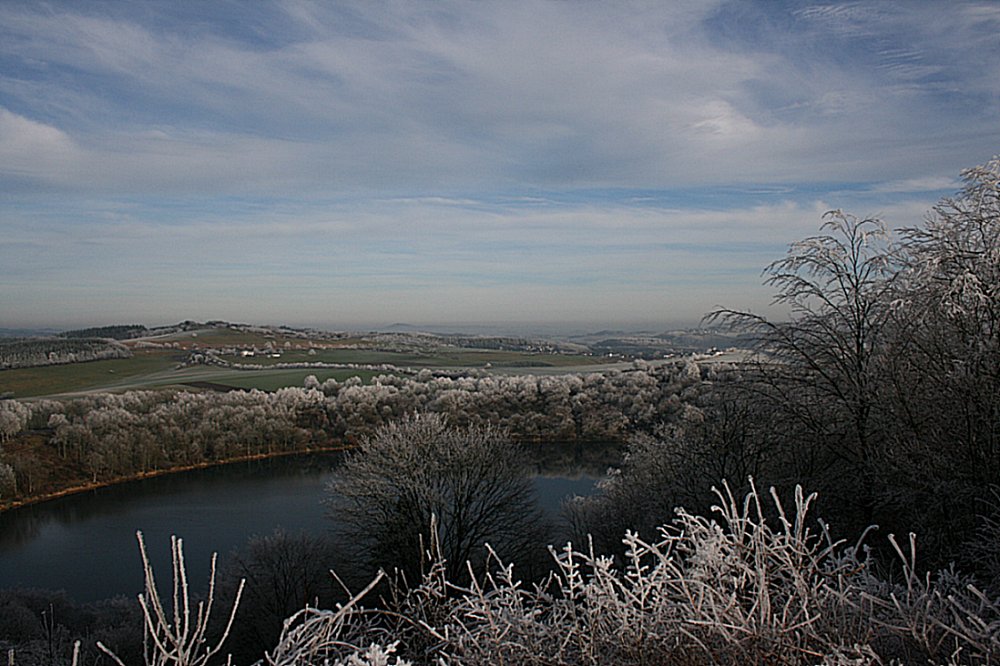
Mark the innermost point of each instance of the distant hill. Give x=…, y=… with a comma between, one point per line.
x=28, y=332
x=115, y=332
x=400, y=327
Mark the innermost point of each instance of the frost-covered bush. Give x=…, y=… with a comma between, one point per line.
x=8, y=481
x=734, y=588
x=471, y=482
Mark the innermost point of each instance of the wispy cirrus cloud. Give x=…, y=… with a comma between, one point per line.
x=620, y=148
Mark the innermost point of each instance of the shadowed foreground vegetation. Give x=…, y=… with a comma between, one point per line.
x=736, y=588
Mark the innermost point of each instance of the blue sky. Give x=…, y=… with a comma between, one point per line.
x=363, y=163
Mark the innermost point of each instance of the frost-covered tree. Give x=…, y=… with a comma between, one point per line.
x=943, y=366
x=8, y=481
x=819, y=369
x=14, y=418
x=471, y=482
x=822, y=357
x=951, y=300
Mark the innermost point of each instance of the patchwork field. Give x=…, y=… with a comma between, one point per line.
x=171, y=366
x=464, y=358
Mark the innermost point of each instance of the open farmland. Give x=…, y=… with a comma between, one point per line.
x=94, y=375
x=440, y=358
x=272, y=380
x=244, y=357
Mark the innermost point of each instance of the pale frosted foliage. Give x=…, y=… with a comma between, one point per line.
x=753, y=585
x=375, y=655
x=731, y=590
x=315, y=636
x=13, y=418
x=739, y=588
x=113, y=435
x=8, y=481
x=957, y=251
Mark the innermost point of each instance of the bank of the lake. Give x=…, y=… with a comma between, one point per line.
x=65, y=483
x=85, y=543
x=60, y=477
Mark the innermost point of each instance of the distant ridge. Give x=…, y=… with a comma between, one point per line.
x=29, y=332
x=115, y=331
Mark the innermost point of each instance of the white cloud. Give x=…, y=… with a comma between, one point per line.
x=405, y=256
x=460, y=148
x=931, y=184
x=471, y=96
x=31, y=149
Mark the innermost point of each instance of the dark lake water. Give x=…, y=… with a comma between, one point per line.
x=86, y=545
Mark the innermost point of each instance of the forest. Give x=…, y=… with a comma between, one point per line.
x=739, y=526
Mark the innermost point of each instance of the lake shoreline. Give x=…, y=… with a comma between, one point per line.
x=547, y=454
x=85, y=545
x=142, y=476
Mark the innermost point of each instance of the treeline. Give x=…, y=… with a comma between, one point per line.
x=117, y=332
x=595, y=406
x=31, y=352
x=109, y=436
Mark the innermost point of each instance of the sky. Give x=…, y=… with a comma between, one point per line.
x=345, y=164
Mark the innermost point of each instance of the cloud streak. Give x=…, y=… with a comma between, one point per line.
x=596, y=149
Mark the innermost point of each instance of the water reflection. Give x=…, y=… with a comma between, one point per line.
x=85, y=544
x=26, y=524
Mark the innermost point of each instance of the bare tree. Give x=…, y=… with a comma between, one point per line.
x=819, y=368
x=283, y=573
x=472, y=479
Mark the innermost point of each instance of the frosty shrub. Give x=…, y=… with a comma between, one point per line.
x=473, y=480
x=14, y=417
x=8, y=481
x=735, y=588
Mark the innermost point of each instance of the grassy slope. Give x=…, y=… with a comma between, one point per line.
x=156, y=368
x=50, y=379
x=442, y=358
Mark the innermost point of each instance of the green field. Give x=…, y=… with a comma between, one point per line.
x=161, y=368
x=50, y=379
x=445, y=358
x=152, y=370
x=273, y=380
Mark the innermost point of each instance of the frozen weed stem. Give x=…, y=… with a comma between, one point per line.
x=754, y=584
x=178, y=640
